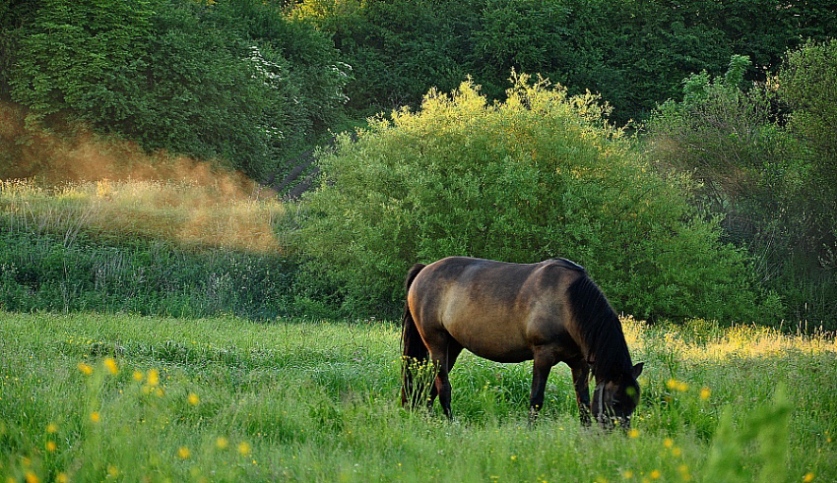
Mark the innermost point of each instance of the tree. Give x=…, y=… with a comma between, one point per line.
x=808, y=83
x=538, y=176
x=233, y=81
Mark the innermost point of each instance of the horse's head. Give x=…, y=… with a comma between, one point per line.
x=614, y=400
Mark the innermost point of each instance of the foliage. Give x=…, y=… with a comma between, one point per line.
x=750, y=169
x=808, y=83
x=633, y=53
x=759, y=174
x=538, y=176
x=142, y=248
x=234, y=81
x=397, y=49
x=226, y=399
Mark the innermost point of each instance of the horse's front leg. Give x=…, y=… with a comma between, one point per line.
x=581, y=379
x=542, y=365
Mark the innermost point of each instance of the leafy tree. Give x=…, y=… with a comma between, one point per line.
x=397, y=48
x=749, y=168
x=13, y=14
x=808, y=83
x=633, y=53
x=232, y=80
x=772, y=185
x=538, y=176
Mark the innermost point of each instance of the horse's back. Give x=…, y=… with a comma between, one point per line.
x=495, y=309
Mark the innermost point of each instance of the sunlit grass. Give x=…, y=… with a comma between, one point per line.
x=220, y=213
x=93, y=397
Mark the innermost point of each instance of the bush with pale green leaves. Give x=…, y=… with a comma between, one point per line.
x=540, y=175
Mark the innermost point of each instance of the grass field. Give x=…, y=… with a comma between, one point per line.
x=92, y=397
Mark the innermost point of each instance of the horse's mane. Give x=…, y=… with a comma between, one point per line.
x=600, y=330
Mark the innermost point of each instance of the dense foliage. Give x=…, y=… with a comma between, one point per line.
x=233, y=80
x=634, y=53
x=770, y=175
x=538, y=176
x=808, y=84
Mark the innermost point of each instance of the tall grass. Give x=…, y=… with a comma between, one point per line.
x=168, y=248
x=97, y=397
x=202, y=215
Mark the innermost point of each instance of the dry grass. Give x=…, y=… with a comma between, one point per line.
x=218, y=213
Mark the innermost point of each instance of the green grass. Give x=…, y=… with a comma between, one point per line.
x=318, y=401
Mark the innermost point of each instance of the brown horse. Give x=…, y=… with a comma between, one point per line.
x=506, y=312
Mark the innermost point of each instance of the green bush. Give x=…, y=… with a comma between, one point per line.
x=768, y=174
x=750, y=169
x=808, y=83
x=540, y=175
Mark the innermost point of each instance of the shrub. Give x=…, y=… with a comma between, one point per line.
x=540, y=175
x=769, y=174
x=749, y=168
x=808, y=83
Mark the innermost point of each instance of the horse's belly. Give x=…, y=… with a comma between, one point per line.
x=499, y=344
x=502, y=356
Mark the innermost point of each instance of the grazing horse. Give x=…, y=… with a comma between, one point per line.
x=507, y=312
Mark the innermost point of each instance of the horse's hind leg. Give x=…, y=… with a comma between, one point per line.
x=444, y=359
x=581, y=378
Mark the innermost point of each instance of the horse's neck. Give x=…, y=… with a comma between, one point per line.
x=608, y=357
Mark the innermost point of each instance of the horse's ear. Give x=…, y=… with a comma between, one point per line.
x=638, y=369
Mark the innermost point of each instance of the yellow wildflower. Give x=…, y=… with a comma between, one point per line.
x=95, y=417
x=243, y=448
x=31, y=477
x=654, y=475
x=808, y=478
x=183, y=453
x=705, y=393
x=51, y=446
x=138, y=376
x=110, y=365
x=61, y=478
x=153, y=377
x=52, y=428
x=221, y=442
x=194, y=400
x=85, y=368
x=633, y=433
x=668, y=442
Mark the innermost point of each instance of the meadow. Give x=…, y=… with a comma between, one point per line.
x=95, y=397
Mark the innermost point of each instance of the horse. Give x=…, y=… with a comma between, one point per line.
x=549, y=312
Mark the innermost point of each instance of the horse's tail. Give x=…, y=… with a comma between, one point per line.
x=414, y=352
